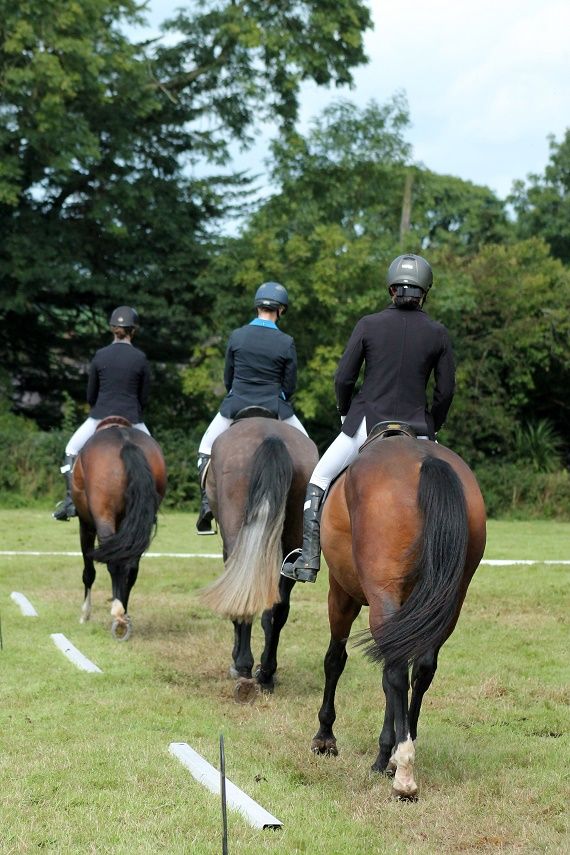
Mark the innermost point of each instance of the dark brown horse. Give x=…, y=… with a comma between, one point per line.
x=403, y=530
x=118, y=482
x=256, y=483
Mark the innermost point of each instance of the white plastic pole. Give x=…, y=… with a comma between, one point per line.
x=236, y=799
x=73, y=654
x=26, y=607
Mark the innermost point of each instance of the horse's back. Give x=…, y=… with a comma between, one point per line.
x=371, y=517
x=234, y=454
x=99, y=476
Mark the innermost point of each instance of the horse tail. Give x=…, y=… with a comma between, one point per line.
x=137, y=526
x=426, y=618
x=250, y=581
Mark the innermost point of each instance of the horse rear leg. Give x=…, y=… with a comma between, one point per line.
x=273, y=620
x=396, y=685
x=87, y=540
x=423, y=673
x=123, y=577
x=343, y=611
x=241, y=654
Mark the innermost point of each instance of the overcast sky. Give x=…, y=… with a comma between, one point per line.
x=486, y=82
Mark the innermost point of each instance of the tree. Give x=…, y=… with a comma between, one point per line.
x=332, y=228
x=542, y=204
x=101, y=139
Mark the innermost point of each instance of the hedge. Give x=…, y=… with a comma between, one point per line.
x=30, y=460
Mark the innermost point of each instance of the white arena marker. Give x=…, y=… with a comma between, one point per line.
x=25, y=606
x=207, y=775
x=73, y=654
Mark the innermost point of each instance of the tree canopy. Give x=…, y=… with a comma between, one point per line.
x=101, y=199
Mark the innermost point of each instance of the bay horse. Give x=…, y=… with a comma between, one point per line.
x=118, y=482
x=256, y=482
x=403, y=530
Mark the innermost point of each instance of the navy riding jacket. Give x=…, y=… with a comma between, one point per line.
x=119, y=382
x=260, y=370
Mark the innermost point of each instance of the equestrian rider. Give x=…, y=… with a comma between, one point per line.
x=118, y=385
x=400, y=347
x=260, y=370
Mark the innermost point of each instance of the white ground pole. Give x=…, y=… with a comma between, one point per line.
x=26, y=607
x=73, y=654
x=491, y=562
x=209, y=776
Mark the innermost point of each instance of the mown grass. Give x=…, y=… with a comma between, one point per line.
x=85, y=763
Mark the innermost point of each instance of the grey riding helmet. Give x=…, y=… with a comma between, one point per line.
x=271, y=295
x=411, y=274
x=124, y=316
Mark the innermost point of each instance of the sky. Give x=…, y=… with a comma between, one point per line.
x=487, y=81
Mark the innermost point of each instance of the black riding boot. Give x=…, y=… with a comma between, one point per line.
x=205, y=515
x=307, y=565
x=66, y=509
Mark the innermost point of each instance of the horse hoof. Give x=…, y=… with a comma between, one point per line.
x=405, y=797
x=266, y=684
x=326, y=747
x=246, y=690
x=121, y=630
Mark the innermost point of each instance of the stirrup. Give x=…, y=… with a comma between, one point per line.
x=297, y=574
x=64, y=511
x=204, y=524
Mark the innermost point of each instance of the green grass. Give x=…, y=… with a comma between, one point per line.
x=85, y=763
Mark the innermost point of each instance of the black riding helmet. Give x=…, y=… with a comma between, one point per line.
x=124, y=316
x=271, y=295
x=411, y=274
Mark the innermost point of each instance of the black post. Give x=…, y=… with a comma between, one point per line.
x=223, y=792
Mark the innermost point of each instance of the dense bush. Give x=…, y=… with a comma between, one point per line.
x=29, y=471
x=29, y=474
x=517, y=491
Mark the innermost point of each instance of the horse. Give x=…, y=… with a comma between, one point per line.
x=117, y=484
x=403, y=530
x=256, y=483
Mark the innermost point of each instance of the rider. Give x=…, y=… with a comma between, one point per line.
x=400, y=347
x=118, y=385
x=260, y=371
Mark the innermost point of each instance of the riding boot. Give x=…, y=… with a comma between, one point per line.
x=307, y=565
x=205, y=515
x=66, y=509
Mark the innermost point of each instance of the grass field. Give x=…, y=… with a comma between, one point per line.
x=85, y=762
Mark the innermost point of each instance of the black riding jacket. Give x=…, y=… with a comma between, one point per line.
x=400, y=349
x=260, y=370
x=119, y=382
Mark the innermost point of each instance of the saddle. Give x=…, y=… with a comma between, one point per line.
x=385, y=429
x=254, y=412
x=113, y=421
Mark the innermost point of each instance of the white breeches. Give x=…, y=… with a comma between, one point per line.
x=340, y=453
x=219, y=424
x=86, y=430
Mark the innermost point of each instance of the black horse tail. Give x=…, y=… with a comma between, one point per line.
x=250, y=581
x=137, y=526
x=270, y=480
x=426, y=618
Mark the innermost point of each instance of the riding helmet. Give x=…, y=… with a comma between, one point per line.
x=412, y=272
x=124, y=316
x=271, y=295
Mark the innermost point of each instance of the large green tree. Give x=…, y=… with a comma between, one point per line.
x=329, y=233
x=110, y=187
x=542, y=203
